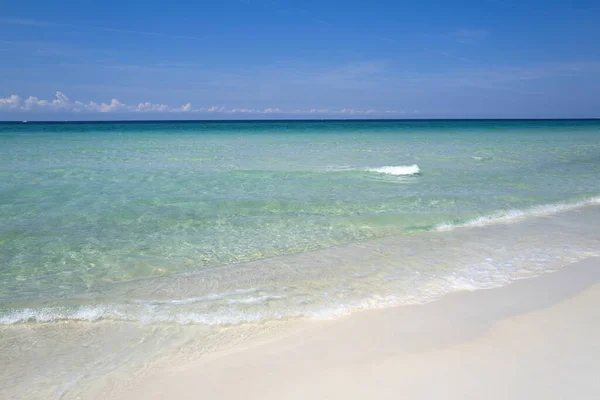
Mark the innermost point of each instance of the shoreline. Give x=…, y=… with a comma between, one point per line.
x=72, y=359
x=533, y=337
x=266, y=281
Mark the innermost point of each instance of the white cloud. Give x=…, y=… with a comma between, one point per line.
x=151, y=107
x=12, y=101
x=185, y=108
x=246, y=110
x=216, y=109
x=352, y=111
x=62, y=102
x=115, y=105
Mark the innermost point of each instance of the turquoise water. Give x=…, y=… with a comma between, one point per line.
x=89, y=211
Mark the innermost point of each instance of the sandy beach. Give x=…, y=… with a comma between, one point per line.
x=535, y=338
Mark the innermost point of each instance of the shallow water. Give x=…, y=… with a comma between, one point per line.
x=87, y=205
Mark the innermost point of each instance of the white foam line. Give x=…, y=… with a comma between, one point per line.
x=397, y=169
x=508, y=216
x=117, y=313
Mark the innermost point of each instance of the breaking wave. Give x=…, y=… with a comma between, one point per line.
x=397, y=170
x=514, y=215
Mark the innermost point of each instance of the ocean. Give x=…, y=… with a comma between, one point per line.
x=145, y=235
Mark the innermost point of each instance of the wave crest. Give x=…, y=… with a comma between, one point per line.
x=513, y=215
x=397, y=169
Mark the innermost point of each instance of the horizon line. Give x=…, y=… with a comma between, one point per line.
x=24, y=122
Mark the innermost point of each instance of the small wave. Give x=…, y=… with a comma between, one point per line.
x=155, y=311
x=149, y=315
x=191, y=300
x=514, y=215
x=51, y=314
x=397, y=169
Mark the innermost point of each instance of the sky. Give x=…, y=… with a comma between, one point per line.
x=265, y=59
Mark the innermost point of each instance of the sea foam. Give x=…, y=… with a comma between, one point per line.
x=397, y=169
x=508, y=216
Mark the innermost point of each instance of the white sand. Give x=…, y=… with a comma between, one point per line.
x=534, y=339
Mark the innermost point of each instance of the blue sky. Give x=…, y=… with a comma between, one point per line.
x=291, y=59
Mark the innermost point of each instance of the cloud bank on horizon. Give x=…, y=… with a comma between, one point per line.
x=63, y=103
